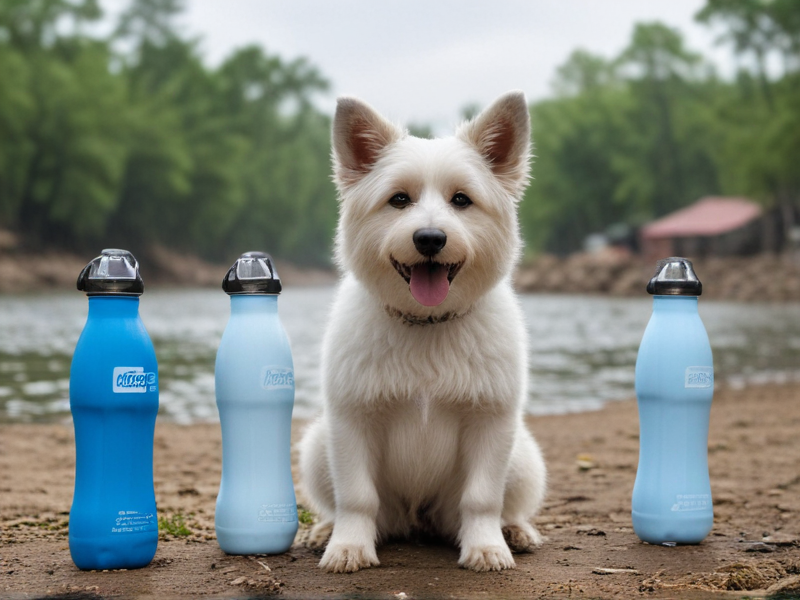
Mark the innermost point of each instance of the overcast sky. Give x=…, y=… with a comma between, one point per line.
x=423, y=61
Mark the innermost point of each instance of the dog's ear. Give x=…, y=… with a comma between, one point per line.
x=359, y=137
x=502, y=135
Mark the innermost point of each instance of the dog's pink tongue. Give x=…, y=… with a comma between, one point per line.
x=429, y=284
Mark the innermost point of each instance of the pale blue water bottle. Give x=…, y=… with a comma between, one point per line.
x=674, y=385
x=113, y=395
x=256, y=511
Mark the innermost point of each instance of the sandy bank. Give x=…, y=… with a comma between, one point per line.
x=755, y=545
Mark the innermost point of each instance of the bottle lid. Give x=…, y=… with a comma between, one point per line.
x=675, y=277
x=113, y=273
x=252, y=273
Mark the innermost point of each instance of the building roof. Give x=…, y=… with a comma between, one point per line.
x=708, y=216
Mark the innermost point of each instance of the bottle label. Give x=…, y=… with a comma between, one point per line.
x=277, y=378
x=133, y=380
x=699, y=377
x=277, y=513
x=133, y=521
x=689, y=502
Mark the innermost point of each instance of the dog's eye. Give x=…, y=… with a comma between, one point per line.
x=460, y=200
x=400, y=200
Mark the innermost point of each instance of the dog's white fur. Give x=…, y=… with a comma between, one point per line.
x=422, y=426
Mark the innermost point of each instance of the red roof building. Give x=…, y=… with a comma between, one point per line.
x=711, y=226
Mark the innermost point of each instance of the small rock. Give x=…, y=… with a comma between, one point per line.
x=239, y=580
x=759, y=547
x=596, y=532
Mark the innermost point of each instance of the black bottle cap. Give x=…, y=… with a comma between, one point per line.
x=252, y=273
x=113, y=273
x=675, y=277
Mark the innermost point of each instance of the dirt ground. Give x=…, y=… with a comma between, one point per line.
x=592, y=552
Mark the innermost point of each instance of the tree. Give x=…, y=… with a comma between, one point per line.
x=760, y=145
x=576, y=138
x=667, y=164
x=62, y=160
x=289, y=204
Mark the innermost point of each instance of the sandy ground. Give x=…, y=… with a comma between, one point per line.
x=592, y=551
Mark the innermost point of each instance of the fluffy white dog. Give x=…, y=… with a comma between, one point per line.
x=424, y=361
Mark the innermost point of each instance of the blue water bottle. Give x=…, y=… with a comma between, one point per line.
x=113, y=396
x=674, y=385
x=256, y=509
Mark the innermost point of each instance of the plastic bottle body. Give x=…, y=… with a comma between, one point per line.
x=674, y=387
x=114, y=402
x=256, y=510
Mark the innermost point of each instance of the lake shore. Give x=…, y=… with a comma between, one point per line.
x=592, y=551
x=767, y=277
x=160, y=267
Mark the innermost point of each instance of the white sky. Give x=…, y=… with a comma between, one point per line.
x=422, y=61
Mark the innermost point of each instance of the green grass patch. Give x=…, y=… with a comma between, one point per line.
x=174, y=525
x=304, y=516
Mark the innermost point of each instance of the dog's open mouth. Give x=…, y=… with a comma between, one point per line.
x=429, y=281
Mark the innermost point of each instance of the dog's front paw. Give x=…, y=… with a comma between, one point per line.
x=487, y=558
x=348, y=558
x=522, y=537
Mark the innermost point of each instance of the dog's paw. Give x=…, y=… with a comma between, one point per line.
x=487, y=558
x=522, y=537
x=319, y=535
x=348, y=558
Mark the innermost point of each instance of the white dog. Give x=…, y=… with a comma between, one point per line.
x=424, y=361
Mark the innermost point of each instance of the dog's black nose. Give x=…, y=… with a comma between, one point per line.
x=429, y=241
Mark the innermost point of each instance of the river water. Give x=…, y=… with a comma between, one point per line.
x=582, y=349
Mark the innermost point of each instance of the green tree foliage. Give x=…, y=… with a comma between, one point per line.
x=63, y=144
x=632, y=138
x=133, y=140
x=761, y=114
x=575, y=176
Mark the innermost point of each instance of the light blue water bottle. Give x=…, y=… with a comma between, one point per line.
x=674, y=385
x=256, y=509
x=113, y=395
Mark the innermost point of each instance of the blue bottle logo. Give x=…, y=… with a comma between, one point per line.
x=277, y=378
x=699, y=377
x=132, y=380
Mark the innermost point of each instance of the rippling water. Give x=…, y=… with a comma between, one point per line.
x=582, y=349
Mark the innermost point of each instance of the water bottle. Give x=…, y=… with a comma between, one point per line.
x=256, y=510
x=113, y=396
x=674, y=385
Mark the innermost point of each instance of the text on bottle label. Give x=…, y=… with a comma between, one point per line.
x=133, y=380
x=277, y=378
x=699, y=377
x=133, y=521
